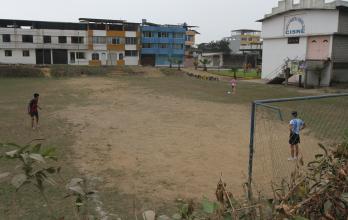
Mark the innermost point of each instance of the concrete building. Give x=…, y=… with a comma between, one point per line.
x=190, y=49
x=245, y=41
x=162, y=44
x=310, y=33
x=113, y=42
x=89, y=42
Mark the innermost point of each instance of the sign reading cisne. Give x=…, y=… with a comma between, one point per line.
x=295, y=26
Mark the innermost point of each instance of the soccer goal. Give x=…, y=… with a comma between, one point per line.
x=326, y=119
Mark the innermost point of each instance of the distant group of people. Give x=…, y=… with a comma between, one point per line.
x=210, y=78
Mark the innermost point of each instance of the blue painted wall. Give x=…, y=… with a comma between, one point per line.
x=163, y=54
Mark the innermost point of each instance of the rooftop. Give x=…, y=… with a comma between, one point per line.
x=289, y=5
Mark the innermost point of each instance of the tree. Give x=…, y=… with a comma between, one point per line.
x=171, y=61
x=195, y=63
x=179, y=62
x=216, y=46
x=205, y=62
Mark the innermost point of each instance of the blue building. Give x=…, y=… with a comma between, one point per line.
x=162, y=44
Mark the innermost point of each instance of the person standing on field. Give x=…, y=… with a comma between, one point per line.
x=33, y=111
x=234, y=85
x=296, y=125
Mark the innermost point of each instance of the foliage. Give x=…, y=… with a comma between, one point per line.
x=205, y=62
x=77, y=188
x=316, y=191
x=215, y=46
x=195, y=63
x=35, y=170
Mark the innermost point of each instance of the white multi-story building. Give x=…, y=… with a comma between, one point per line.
x=90, y=42
x=312, y=32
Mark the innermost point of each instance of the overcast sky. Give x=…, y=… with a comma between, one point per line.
x=215, y=18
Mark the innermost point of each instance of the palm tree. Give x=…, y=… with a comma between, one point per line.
x=205, y=62
x=195, y=63
x=171, y=61
x=179, y=62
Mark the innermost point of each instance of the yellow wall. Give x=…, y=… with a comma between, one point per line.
x=95, y=62
x=116, y=47
x=90, y=39
x=116, y=33
x=120, y=62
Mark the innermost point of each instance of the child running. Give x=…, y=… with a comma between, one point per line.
x=33, y=111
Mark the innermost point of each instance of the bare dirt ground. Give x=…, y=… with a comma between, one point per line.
x=157, y=146
x=162, y=147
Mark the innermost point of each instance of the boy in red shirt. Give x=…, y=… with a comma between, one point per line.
x=33, y=110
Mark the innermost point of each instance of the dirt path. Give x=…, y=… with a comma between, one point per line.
x=159, y=147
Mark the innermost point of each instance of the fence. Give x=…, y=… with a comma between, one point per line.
x=326, y=118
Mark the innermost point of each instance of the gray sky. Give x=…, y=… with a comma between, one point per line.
x=215, y=17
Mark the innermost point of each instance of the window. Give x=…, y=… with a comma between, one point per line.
x=163, y=34
x=47, y=39
x=131, y=53
x=115, y=40
x=178, y=46
x=189, y=38
x=131, y=40
x=148, y=34
x=62, y=39
x=95, y=56
x=120, y=56
x=8, y=53
x=77, y=40
x=178, y=35
x=99, y=40
x=146, y=45
x=26, y=53
x=80, y=55
x=163, y=45
x=72, y=57
x=27, y=38
x=6, y=38
x=293, y=40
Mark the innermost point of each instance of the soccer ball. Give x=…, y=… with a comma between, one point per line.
x=229, y=92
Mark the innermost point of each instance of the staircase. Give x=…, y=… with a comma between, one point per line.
x=277, y=76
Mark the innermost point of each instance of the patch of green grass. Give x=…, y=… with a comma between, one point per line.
x=240, y=74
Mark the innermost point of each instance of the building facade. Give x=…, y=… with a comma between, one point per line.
x=191, y=55
x=89, y=42
x=244, y=40
x=162, y=45
x=312, y=33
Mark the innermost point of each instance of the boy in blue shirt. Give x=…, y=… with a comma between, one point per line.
x=295, y=126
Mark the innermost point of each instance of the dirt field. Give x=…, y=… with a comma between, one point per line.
x=149, y=139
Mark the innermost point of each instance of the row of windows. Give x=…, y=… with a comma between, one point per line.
x=162, y=34
x=25, y=53
x=78, y=55
x=173, y=46
x=6, y=38
x=250, y=39
x=115, y=40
